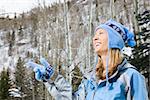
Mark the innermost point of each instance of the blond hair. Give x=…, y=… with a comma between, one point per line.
x=115, y=58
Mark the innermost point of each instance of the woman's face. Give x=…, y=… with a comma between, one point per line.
x=100, y=41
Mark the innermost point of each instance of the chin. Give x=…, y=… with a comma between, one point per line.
x=97, y=51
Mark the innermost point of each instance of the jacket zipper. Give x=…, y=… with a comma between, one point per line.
x=94, y=94
x=96, y=87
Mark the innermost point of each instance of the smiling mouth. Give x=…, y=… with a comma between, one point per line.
x=97, y=44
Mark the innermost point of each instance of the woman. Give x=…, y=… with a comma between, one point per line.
x=113, y=77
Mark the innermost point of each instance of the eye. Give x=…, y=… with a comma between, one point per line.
x=100, y=32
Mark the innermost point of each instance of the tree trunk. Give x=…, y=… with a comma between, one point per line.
x=68, y=41
x=91, y=32
x=136, y=27
x=112, y=9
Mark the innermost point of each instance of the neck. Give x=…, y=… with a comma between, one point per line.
x=103, y=56
x=104, y=60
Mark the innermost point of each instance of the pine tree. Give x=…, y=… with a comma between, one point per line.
x=141, y=52
x=76, y=78
x=21, y=81
x=4, y=85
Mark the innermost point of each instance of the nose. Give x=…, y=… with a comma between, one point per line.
x=95, y=38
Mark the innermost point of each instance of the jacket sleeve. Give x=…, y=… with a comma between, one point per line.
x=138, y=87
x=60, y=89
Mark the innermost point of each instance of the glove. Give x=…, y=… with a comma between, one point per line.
x=42, y=72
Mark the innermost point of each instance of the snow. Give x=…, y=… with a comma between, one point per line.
x=14, y=92
x=127, y=51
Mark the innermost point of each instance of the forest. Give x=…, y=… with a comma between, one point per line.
x=62, y=33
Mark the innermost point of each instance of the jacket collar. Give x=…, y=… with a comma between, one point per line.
x=120, y=68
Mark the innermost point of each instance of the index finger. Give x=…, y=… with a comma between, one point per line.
x=44, y=62
x=33, y=65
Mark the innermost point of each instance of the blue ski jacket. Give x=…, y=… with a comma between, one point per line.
x=125, y=84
